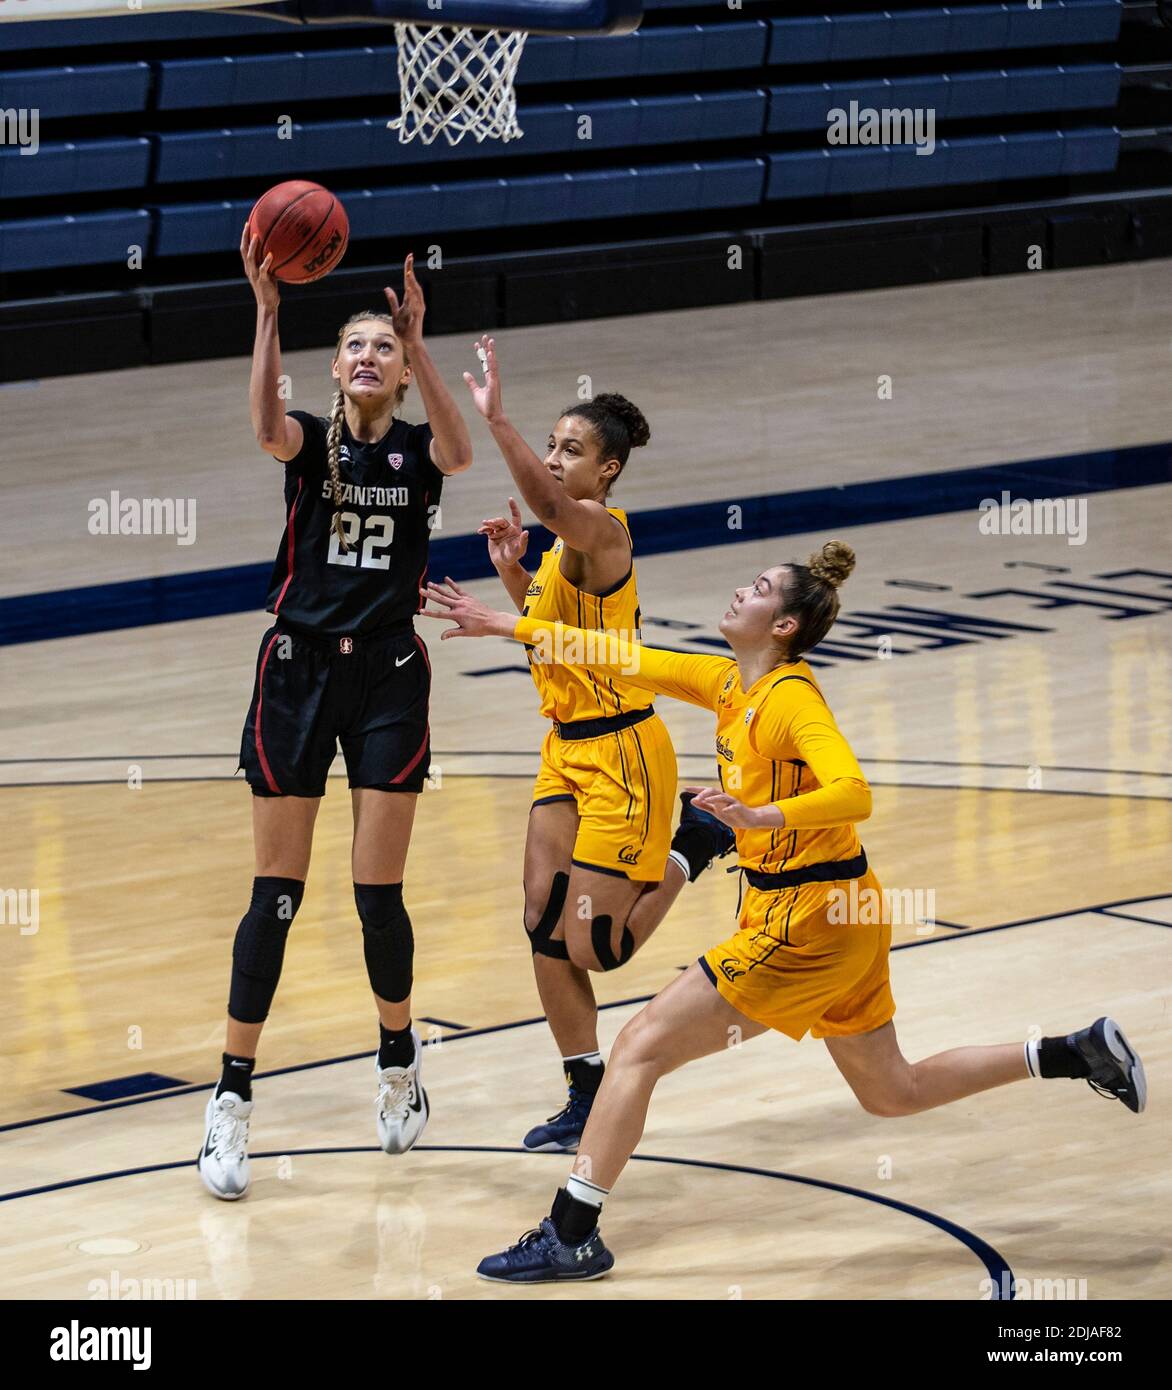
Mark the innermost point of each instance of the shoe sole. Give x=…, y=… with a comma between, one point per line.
x=562, y=1279
x=553, y=1147
x=1128, y=1059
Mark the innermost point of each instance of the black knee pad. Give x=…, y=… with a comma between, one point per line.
x=539, y=938
x=388, y=942
x=600, y=940
x=259, y=949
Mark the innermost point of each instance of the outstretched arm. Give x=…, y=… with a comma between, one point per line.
x=682, y=675
x=583, y=525
x=276, y=433
x=451, y=444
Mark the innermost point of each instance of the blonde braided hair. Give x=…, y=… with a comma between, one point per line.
x=338, y=419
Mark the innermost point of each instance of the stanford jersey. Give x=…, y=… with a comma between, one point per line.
x=390, y=493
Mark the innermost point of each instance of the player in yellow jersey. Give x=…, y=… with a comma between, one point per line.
x=599, y=826
x=811, y=946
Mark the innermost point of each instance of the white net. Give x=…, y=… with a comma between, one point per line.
x=457, y=82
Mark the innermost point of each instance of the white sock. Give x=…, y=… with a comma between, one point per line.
x=1033, y=1065
x=583, y=1191
x=682, y=862
x=592, y=1059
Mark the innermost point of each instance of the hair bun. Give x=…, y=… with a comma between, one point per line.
x=833, y=562
x=638, y=430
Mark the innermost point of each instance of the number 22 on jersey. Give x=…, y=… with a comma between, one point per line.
x=375, y=544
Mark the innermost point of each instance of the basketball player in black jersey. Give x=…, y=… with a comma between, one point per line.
x=342, y=662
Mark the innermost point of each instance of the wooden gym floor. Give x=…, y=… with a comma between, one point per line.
x=1021, y=776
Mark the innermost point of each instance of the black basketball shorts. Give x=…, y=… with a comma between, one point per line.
x=310, y=693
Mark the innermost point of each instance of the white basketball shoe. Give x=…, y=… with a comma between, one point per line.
x=223, y=1160
x=402, y=1107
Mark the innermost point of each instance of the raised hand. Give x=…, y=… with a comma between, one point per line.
x=487, y=397
x=472, y=618
x=507, y=542
x=408, y=314
x=260, y=276
x=724, y=807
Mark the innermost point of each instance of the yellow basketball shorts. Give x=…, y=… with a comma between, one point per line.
x=624, y=787
x=796, y=966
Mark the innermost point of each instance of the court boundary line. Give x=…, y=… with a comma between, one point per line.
x=996, y=1265
x=528, y=776
x=1131, y=917
x=525, y=752
x=959, y=933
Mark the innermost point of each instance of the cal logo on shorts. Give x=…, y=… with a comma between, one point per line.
x=730, y=968
x=629, y=854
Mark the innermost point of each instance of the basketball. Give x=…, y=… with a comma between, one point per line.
x=305, y=229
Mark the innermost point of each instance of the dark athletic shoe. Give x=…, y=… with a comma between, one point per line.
x=561, y=1132
x=1116, y=1070
x=539, y=1257
x=717, y=838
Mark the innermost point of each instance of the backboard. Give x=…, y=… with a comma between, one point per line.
x=533, y=16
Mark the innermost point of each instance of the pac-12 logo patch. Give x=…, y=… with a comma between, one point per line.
x=395, y=460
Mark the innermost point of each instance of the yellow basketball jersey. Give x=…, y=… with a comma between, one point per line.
x=569, y=693
x=759, y=762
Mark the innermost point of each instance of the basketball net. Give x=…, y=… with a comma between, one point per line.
x=457, y=82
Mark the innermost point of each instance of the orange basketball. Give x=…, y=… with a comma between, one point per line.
x=304, y=227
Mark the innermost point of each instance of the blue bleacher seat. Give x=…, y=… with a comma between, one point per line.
x=83, y=166
x=211, y=83
x=366, y=143
x=953, y=96
x=308, y=75
x=941, y=30
x=92, y=238
x=671, y=49
x=185, y=229
x=958, y=160
x=93, y=90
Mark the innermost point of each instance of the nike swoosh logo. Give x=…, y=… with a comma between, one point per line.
x=405, y=660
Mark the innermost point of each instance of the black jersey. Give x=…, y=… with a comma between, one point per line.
x=390, y=495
